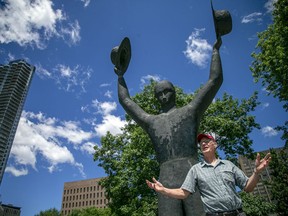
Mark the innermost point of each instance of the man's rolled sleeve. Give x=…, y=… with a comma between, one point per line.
x=189, y=183
x=240, y=177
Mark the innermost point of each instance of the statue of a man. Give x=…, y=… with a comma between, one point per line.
x=174, y=131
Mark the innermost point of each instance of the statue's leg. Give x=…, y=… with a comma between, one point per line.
x=172, y=175
x=168, y=206
x=193, y=205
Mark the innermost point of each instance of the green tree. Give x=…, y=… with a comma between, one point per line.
x=91, y=211
x=270, y=64
x=229, y=119
x=129, y=158
x=254, y=205
x=279, y=183
x=49, y=212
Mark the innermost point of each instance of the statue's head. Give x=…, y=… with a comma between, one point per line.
x=165, y=93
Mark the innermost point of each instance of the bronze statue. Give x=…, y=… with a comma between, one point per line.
x=174, y=131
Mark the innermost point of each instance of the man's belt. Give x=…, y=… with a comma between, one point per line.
x=227, y=213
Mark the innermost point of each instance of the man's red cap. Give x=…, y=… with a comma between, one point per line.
x=200, y=136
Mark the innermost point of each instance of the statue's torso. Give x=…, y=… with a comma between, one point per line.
x=174, y=134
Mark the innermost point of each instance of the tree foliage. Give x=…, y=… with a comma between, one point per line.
x=91, y=211
x=129, y=158
x=229, y=119
x=279, y=183
x=270, y=64
x=49, y=212
x=254, y=205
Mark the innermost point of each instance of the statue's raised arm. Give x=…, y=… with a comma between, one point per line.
x=120, y=57
x=223, y=25
x=208, y=91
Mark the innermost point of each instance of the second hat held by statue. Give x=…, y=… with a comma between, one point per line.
x=121, y=55
x=222, y=21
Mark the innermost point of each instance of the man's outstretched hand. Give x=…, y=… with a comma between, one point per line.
x=155, y=185
x=261, y=164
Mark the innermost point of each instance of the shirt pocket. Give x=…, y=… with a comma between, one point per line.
x=227, y=176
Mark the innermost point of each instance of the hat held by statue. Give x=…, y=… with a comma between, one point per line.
x=222, y=21
x=121, y=55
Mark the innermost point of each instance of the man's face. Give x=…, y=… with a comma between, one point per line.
x=165, y=93
x=207, y=145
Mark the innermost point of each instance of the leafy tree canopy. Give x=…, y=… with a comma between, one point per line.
x=91, y=211
x=279, y=183
x=271, y=63
x=49, y=212
x=254, y=205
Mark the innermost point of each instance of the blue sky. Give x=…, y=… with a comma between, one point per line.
x=72, y=100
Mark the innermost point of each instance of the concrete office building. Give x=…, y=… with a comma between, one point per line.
x=83, y=194
x=9, y=210
x=15, y=79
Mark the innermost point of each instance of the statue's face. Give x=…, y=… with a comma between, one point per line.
x=165, y=93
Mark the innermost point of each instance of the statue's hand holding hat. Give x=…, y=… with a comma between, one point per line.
x=222, y=21
x=121, y=55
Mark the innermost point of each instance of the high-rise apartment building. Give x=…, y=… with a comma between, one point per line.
x=15, y=79
x=261, y=189
x=83, y=194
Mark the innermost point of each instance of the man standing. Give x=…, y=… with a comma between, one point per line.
x=216, y=180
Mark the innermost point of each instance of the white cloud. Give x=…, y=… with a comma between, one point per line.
x=28, y=155
x=253, y=17
x=268, y=131
x=264, y=89
x=198, y=50
x=72, y=78
x=42, y=72
x=265, y=105
x=86, y=2
x=88, y=148
x=108, y=94
x=28, y=22
x=71, y=33
x=105, y=85
x=104, y=108
x=269, y=5
x=50, y=139
x=47, y=137
x=69, y=79
x=110, y=123
x=146, y=79
x=16, y=172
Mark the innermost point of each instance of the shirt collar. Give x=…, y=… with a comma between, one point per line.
x=204, y=163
